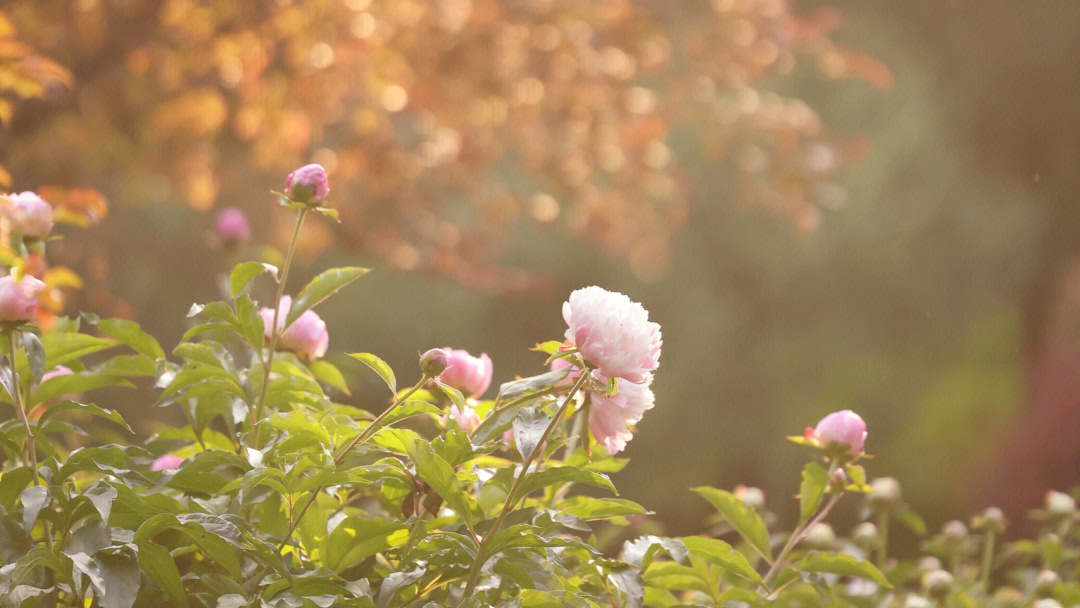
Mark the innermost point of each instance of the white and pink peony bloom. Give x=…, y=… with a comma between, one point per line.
x=843, y=429
x=612, y=333
x=468, y=374
x=308, y=184
x=166, y=462
x=307, y=336
x=611, y=418
x=30, y=214
x=18, y=298
x=231, y=226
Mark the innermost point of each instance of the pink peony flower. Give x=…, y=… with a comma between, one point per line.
x=231, y=226
x=308, y=185
x=470, y=375
x=613, y=333
x=465, y=419
x=30, y=214
x=611, y=418
x=18, y=299
x=841, y=429
x=166, y=461
x=307, y=336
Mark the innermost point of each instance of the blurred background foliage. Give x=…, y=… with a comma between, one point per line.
x=855, y=204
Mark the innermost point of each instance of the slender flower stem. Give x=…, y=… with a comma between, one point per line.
x=987, y=559
x=511, y=496
x=275, y=334
x=883, y=539
x=29, y=447
x=366, y=434
x=798, y=535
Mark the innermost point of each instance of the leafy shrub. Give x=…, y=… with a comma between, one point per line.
x=273, y=494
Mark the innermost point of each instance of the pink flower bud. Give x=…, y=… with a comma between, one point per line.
x=841, y=429
x=307, y=336
x=18, y=299
x=308, y=185
x=433, y=362
x=465, y=419
x=231, y=226
x=470, y=375
x=166, y=461
x=30, y=214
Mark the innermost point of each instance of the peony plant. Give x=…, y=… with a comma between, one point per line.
x=277, y=493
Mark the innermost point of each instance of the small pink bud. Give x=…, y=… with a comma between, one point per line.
x=18, y=298
x=231, y=226
x=30, y=214
x=433, y=362
x=166, y=461
x=307, y=336
x=470, y=375
x=308, y=185
x=843, y=429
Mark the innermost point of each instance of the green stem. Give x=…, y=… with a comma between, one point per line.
x=883, y=539
x=800, y=533
x=30, y=453
x=30, y=446
x=358, y=440
x=511, y=496
x=274, y=333
x=987, y=559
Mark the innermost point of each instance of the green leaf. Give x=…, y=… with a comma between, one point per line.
x=36, y=557
x=379, y=367
x=34, y=499
x=129, y=333
x=358, y=538
x=329, y=374
x=321, y=287
x=251, y=325
x=532, y=384
x=298, y=422
x=844, y=565
x=243, y=274
x=564, y=474
x=87, y=408
x=743, y=518
x=814, y=481
x=455, y=395
x=156, y=561
x=529, y=426
x=718, y=552
x=438, y=474
x=589, y=508
x=210, y=542
x=62, y=347
x=120, y=575
x=71, y=384
x=35, y=354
